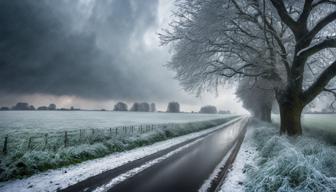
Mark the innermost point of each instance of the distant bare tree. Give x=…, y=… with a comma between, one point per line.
x=120, y=106
x=21, y=106
x=256, y=98
x=173, y=107
x=42, y=108
x=141, y=107
x=52, y=107
x=208, y=109
x=152, y=107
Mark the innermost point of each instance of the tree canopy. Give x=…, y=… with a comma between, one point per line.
x=288, y=44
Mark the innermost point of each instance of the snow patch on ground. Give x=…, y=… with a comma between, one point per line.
x=53, y=180
x=236, y=178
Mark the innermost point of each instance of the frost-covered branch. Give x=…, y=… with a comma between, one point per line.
x=314, y=48
x=320, y=25
x=320, y=83
x=320, y=2
x=280, y=6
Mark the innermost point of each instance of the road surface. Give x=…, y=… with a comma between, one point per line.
x=185, y=170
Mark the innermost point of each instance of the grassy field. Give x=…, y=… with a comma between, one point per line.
x=29, y=152
x=322, y=126
x=28, y=122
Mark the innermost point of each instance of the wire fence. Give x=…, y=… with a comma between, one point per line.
x=55, y=140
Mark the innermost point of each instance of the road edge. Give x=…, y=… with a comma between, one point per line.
x=95, y=181
x=218, y=180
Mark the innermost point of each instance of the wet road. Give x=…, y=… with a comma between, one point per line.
x=186, y=170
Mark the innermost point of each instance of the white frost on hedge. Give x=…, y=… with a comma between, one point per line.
x=61, y=178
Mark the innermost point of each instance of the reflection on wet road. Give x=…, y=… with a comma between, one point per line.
x=185, y=170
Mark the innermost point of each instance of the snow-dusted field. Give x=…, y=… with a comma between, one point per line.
x=63, y=177
x=12, y=122
x=326, y=122
x=322, y=126
x=30, y=151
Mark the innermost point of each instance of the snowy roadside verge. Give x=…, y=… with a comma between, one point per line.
x=235, y=179
x=64, y=177
x=219, y=173
x=270, y=162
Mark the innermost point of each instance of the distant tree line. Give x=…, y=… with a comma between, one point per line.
x=172, y=107
x=23, y=106
x=208, y=109
x=137, y=107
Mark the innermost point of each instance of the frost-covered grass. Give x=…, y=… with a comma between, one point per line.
x=306, y=163
x=22, y=163
x=51, y=130
x=61, y=178
x=26, y=122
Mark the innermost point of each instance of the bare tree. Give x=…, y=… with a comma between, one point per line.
x=208, y=109
x=120, y=106
x=290, y=44
x=256, y=98
x=173, y=107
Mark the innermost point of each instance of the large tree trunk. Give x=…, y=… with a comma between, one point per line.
x=290, y=115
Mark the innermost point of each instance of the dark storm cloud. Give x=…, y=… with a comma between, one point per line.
x=54, y=47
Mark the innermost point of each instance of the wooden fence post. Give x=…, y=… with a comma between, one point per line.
x=4, y=150
x=45, y=140
x=29, y=143
x=65, y=138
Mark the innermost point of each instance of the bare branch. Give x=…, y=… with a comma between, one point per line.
x=305, y=13
x=320, y=83
x=309, y=51
x=320, y=25
x=285, y=17
x=331, y=2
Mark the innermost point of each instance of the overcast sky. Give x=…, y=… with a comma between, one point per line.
x=90, y=54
